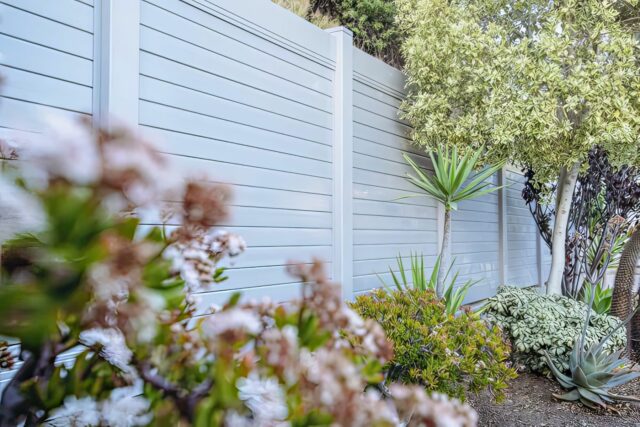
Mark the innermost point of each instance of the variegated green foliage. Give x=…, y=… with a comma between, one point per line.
x=534, y=81
x=539, y=324
x=452, y=181
x=453, y=296
x=593, y=371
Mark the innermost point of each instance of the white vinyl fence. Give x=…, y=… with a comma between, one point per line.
x=304, y=126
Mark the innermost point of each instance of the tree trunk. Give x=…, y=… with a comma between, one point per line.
x=623, y=301
x=444, y=253
x=566, y=186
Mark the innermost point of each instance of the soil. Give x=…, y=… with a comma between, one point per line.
x=529, y=402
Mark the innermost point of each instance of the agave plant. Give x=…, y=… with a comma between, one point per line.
x=594, y=371
x=452, y=297
x=451, y=183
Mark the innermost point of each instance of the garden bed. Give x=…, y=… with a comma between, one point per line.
x=529, y=403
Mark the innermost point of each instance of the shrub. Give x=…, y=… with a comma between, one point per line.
x=539, y=323
x=302, y=8
x=442, y=352
x=372, y=22
x=84, y=272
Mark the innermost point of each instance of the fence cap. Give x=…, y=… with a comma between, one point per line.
x=340, y=29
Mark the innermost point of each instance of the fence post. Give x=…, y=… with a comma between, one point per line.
x=117, y=61
x=343, y=161
x=503, y=226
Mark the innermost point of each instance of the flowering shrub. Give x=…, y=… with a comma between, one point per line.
x=442, y=352
x=539, y=324
x=79, y=270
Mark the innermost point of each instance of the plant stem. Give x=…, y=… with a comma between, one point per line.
x=444, y=253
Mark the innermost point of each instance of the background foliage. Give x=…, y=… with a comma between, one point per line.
x=371, y=21
x=537, y=82
x=302, y=8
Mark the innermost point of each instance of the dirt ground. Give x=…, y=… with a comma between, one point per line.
x=529, y=403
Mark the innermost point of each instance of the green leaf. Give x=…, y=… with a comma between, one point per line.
x=571, y=396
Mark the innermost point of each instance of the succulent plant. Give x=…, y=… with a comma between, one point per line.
x=594, y=372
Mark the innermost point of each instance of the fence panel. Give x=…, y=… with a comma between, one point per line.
x=303, y=127
x=475, y=244
x=522, y=235
x=385, y=225
x=46, y=62
x=247, y=111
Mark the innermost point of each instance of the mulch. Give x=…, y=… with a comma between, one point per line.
x=529, y=402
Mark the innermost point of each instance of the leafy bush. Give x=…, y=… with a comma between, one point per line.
x=539, y=323
x=84, y=272
x=302, y=8
x=372, y=22
x=453, y=296
x=444, y=353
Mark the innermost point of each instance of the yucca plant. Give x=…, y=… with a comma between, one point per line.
x=418, y=274
x=600, y=296
x=593, y=372
x=450, y=184
x=452, y=298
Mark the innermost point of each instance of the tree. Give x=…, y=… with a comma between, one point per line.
x=451, y=183
x=606, y=204
x=536, y=82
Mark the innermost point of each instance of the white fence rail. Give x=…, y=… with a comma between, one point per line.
x=302, y=124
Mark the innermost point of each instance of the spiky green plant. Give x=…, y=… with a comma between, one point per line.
x=594, y=371
x=452, y=297
x=601, y=297
x=450, y=184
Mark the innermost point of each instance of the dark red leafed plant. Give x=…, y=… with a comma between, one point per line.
x=606, y=203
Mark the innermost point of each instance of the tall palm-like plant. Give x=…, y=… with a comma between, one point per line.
x=450, y=184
